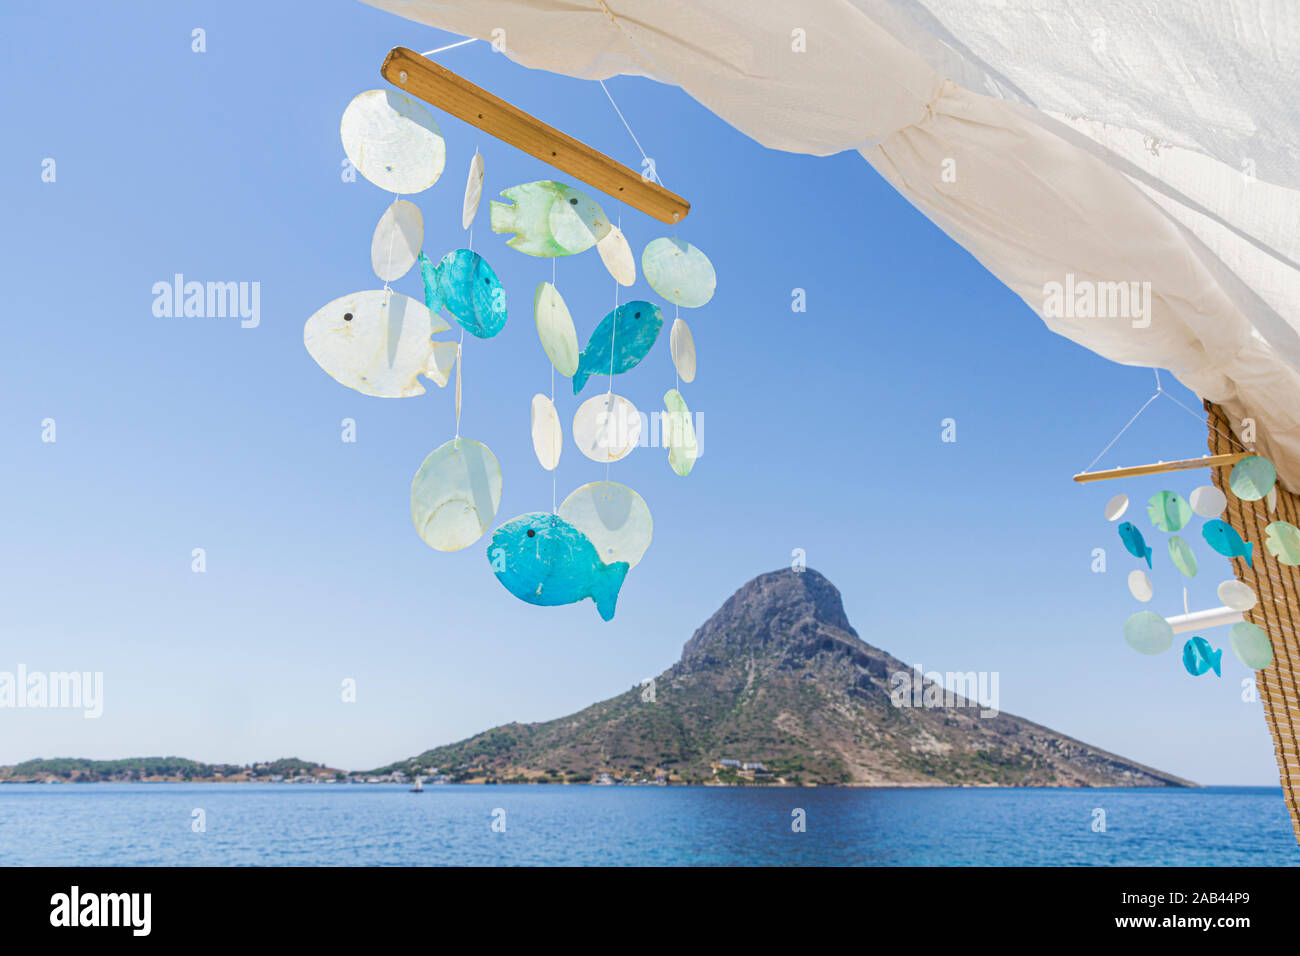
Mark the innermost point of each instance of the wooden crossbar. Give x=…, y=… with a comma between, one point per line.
x=1186, y=464
x=440, y=87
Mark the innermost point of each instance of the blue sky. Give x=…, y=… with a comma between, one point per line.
x=822, y=428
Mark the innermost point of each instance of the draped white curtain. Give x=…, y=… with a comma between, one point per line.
x=1076, y=142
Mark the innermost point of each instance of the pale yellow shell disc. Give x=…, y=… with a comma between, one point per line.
x=548, y=435
x=617, y=256
x=678, y=433
x=614, y=517
x=473, y=190
x=555, y=329
x=455, y=494
x=682, y=344
x=393, y=141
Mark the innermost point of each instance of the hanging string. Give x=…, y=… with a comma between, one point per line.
x=449, y=46
x=613, y=325
x=646, y=160
x=460, y=348
x=1122, y=431
x=613, y=336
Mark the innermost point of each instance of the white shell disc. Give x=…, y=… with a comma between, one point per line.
x=393, y=141
x=555, y=329
x=1237, y=596
x=617, y=256
x=614, y=517
x=397, y=240
x=606, y=427
x=1207, y=501
x=473, y=190
x=1139, y=585
x=548, y=436
x=682, y=344
x=455, y=494
x=1116, y=507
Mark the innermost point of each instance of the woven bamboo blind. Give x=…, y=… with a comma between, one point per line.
x=1278, y=611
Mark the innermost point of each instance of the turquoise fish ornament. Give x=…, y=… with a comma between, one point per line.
x=1282, y=539
x=542, y=559
x=1223, y=538
x=1168, y=511
x=631, y=330
x=1199, y=657
x=471, y=292
x=1134, y=542
x=549, y=219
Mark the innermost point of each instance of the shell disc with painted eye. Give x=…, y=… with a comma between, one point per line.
x=682, y=344
x=397, y=240
x=548, y=436
x=606, y=427
x=1168, y=511
x=614, y=517
x=679, y=272
x=376, y=341
x=455, y=494
x=555, y=329
x=393, y=141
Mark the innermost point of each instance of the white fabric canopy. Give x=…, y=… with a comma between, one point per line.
x=1092, y=141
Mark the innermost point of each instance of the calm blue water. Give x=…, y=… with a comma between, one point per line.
x=143, y=824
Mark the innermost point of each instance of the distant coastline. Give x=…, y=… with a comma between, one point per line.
x=291, y=770
x=77, y=770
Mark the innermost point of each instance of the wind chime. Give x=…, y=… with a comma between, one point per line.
x=381, y=342
x=1253, y=480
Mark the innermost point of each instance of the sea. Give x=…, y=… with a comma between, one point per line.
x=541, y=825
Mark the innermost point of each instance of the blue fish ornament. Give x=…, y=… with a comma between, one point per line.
x=471, y=292
x=1134, y=541
x=1199, y=657
x=631, y=330
x=542, y=559
x=1223, y=538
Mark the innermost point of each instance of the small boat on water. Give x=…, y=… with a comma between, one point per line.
x=419, y=785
